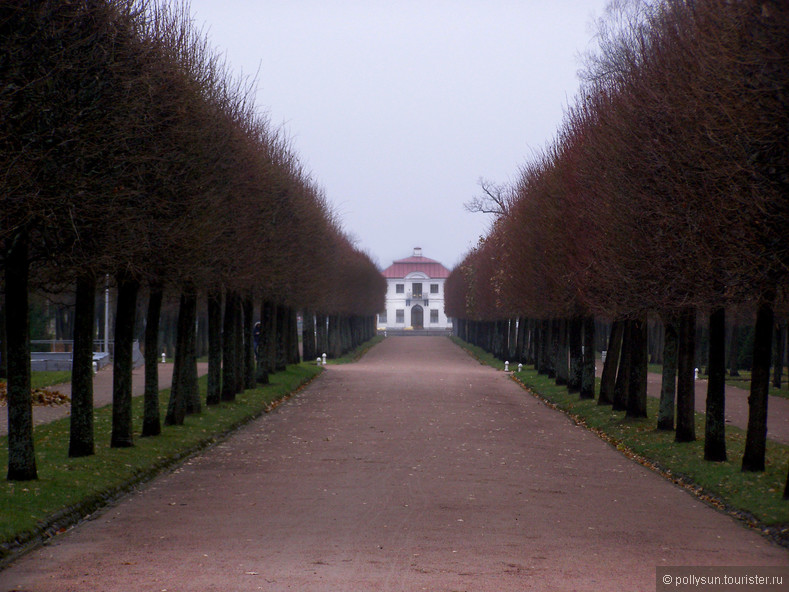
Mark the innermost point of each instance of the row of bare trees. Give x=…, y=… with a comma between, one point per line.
x=129, y=152
x=665, y=195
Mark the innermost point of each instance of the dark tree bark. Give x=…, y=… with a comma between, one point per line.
x=281, y=339
x=81, y=442
x=249, y=343
x=778, y=369
x=151, y=420
x=562, y=360
x=608, y=379
x=3, y=344
x=322, y=336
x=589, y=360
x=189, y=369
x=668, y=384
x=238, y=334
x=214, y=379
x=639, y=360
x=308, y=336
x=122, y=365
x=715, y=424
x=623, y=374
x=686, y=383
x=335, y=345
x=756, y=436
x=267, y=341
x=552, y=348
x=575, y=347
x=229, y=352
x=293, y=336
x=21, y=454
x=182, y=395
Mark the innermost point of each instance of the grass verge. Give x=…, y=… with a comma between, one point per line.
x=755, y=498
x=68, y=489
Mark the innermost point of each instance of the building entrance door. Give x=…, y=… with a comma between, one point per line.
x=418, y=317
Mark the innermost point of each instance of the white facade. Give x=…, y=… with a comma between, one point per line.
x=415, y=295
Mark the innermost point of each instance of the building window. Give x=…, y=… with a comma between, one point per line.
x=434, y=316
x=434, y=288
x=382, y=318
x=416, y=289
x=399, y=288
x=400, y=315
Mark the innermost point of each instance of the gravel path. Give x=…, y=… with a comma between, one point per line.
x=414, y=469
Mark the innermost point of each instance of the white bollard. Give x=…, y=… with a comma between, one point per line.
x=318, y=361
x=520, y=367
x=164, y=358
x=95, y=368
x=695, y=374
x=506, y=366
x=324, y=359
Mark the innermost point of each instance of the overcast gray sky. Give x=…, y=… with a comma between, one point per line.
x=397, y=108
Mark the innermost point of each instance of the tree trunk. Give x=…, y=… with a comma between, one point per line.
x=322, y=336
x=575, y=371
x=122, y=366
x=238, y=335
x=281, y=338
x=623, y=374
x=191, y=388
x=639, y=361
x=778, y=370
x=249, y=343
x=686, y=383
x=229, y=348
x=668, y=383
x=21, y=455
x=293, y=336
x=589, y=360
x=562, y=353
x=265, y=342
x=214, y=380
x=756, y=436
x=308, y=336
x=3, y=344
x=81, y=441
x=608, y=379
x=715, y=423
x=151, y=420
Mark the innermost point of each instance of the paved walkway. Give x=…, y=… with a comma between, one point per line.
x=102, y=392
x=414, y=469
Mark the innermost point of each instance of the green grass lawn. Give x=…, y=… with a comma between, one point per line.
x=754, y=497
x=44, y=379
x=68, y=488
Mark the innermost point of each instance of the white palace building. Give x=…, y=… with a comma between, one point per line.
x=415, y=295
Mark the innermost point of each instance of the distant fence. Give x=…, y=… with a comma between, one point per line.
x=52, y=355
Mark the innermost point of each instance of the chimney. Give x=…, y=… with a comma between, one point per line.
x=417, y=251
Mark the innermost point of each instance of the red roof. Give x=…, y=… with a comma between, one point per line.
x=402, y=267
